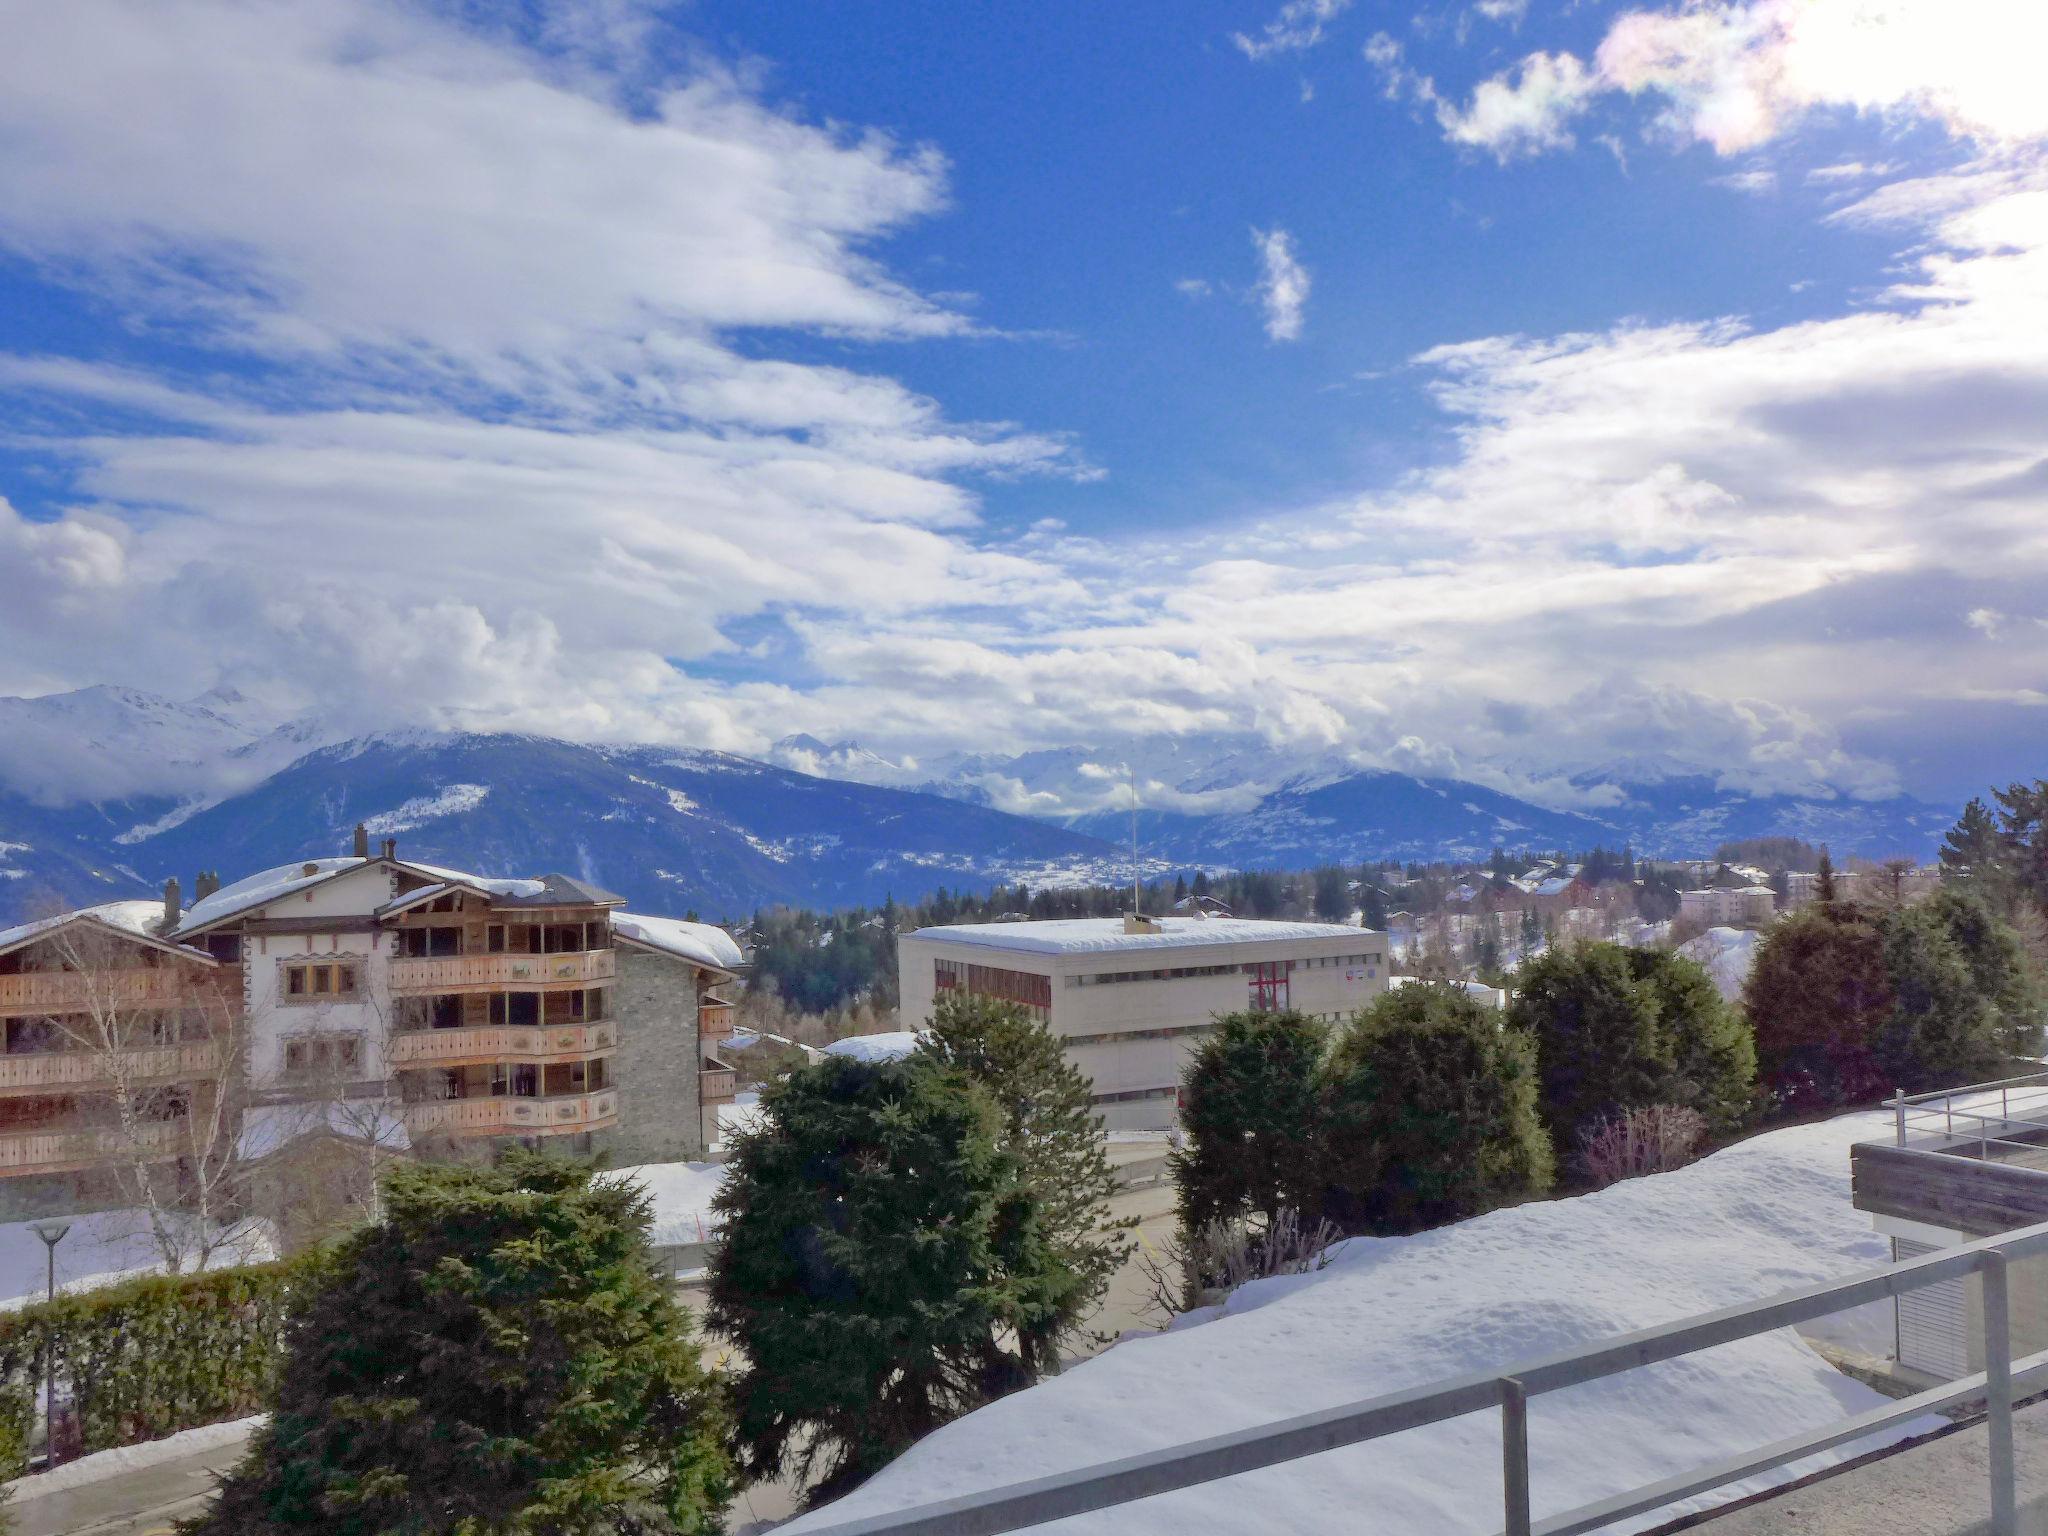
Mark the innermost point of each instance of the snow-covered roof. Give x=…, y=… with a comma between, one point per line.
x=890, y=1045
x=1089, y=935
x=132, y=917
x=265, y=885
x=703, y=943
x=490, y=885
x=267, y=1128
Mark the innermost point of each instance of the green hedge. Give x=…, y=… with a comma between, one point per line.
x=145, y=1358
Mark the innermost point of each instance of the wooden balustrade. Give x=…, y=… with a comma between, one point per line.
x=39, y=992
x=556, y=1115
x=715, y=1019
x=501, y=1042
x=45, y=1071
x=460, y=973
x=717, y=1084
x=62, y=1151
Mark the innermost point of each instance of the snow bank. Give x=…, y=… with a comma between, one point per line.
x=1394, y=1313
x=229, y=1435
x=101, y=1248
x=682, y=1198
x=1728, y=954
x=890, y=1045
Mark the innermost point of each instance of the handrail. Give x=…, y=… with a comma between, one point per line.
x=2038, y=1078
x=1107, y=1484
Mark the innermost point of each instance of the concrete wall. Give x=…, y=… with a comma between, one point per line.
x=656, y=1064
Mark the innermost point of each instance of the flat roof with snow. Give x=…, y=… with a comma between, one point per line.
x=1093, y=935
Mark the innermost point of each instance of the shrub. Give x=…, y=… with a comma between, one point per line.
x=1816, y=995
x=496, y=1355
x=1653, y=1139
x=881, y=1268
x=146, y=1357
x=1226, y=1254
x=1616, y=1026
x=1429, y=1108
x=1940, y=1028
x=1050, y=1125
x=1250, y=1112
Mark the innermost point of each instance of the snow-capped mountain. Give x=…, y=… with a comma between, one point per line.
x=671, y=830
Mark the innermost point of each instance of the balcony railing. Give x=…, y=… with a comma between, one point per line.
x=500, y=1042
x=455, y=973
x=558, y=1115
x=37, y=992
x=716, y=1085
x=39, y=1071
x=56, y=1151
x=715, y=1019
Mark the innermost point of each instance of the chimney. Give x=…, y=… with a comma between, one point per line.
x=173, y=903
x=204, y=885
x=362, y=841
x=390, y=847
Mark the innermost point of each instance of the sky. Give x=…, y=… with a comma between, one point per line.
x=1506, y=389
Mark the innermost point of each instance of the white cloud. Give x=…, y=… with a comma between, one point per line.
x=1283, y=285
x=1523, y=111
x=1297, y=28
x=1758, y=181
x=1510, y=11
x=1735, y=74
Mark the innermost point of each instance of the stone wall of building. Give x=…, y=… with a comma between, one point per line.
x=655, y=998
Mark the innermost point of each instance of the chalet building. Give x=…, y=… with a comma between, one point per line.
x=1130, y=998
x=431, y=1009
x=116, y=1049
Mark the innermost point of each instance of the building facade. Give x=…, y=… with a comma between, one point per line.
x=1732, y=906
x=1130, y=1000
x=368, y=997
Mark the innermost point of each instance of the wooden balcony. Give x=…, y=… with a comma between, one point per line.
x=715, y=1018
x=41, y=992
x=501, y=1042
x=60, y=1151
x=717, y=1084
x=56, y=1071
x=491, y=973
x=561, y=1115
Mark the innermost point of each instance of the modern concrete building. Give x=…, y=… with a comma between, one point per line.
x=1131, y=997
x=1750, y=905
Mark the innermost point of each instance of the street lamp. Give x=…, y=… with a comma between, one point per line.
x=51, y=1230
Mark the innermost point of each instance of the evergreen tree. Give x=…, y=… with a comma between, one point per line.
x=1332, y=894
x=1816, y=995
x=1824, y=885
x=1250, y=1113
x=1430, y=1115
x=1941, y=1031
x=880, y=1267
x=1051, y=1127
x=496, y=1355
x=2001, y=970
x=1974, y=853
x=2023, y=829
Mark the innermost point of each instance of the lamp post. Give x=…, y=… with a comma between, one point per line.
x=51, y=1230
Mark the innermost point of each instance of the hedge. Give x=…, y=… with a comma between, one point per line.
x=145, y=1358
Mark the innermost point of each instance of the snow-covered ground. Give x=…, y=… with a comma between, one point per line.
x=1393, y=1313
x=682, y=1198
x=741, y=1114
x=228, y=1435
x=100, y=1248
x=890, y=1045
x=1728, y=954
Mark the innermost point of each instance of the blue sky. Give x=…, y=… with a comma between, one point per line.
x=1503, y=390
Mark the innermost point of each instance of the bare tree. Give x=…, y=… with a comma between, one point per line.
x=163, y=1093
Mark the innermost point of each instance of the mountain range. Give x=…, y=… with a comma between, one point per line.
x=106, y=791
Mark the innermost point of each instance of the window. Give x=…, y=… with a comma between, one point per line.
x=1026, y=987
x=494, y=938
x=1268, y=985
x=516, y=1008
x=1135, y=1095
x=308, y=1054
x=331, y=981
x=1116, y=1037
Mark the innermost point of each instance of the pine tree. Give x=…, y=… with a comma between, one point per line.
x=1429, y=1113
x=496, y=1357
x=881, y=1254
x=1940, y=1030
x=1816, y=994
x=1824, y=885
x=1250, y=1112
x=1051, y=1127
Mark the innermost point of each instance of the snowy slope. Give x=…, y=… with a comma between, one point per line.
x=1403, y=1312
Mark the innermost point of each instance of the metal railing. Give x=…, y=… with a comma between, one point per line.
x=1512, y=1391
x=1966, y=1119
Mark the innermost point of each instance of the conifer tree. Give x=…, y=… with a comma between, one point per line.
x=495, y=1357
x=880, y=1265
x=1429, y=1110
x=1824, y=883
x=1051, y=1127
x=1250, y=1112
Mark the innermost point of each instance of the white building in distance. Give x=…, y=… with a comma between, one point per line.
x=1131, y=998
x=1724, y=906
